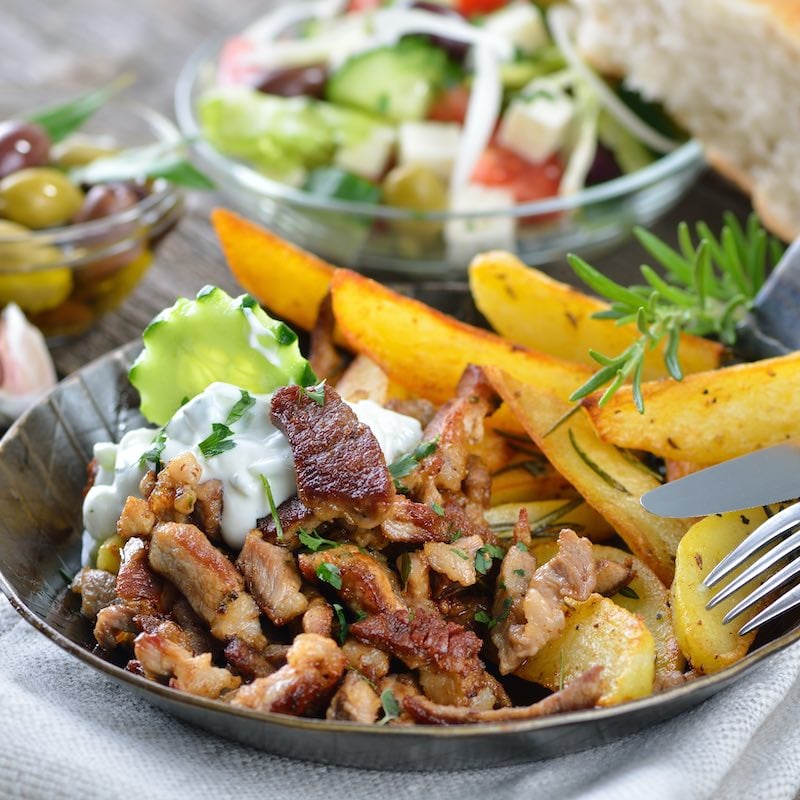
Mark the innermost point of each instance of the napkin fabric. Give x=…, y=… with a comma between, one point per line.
x=68, y=732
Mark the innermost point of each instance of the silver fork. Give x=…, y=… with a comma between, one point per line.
x=784, y=522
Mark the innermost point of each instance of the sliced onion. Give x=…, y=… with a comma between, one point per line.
x=267, y=29
x=562, y=20
x=584, y=148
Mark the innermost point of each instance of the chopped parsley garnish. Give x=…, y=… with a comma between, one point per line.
x=391, y=708
x=456, y=535
x=460, y=553
x=218, y=442
x=315, y=393
x=284, y=334
x=405, y=568
x=520, y=572
x=242, y=405
x=490, y=622
x=313, y=541
x=484, y=556
x=627, y=591
x=437, y=509
x=522, y=547
x=273, y=509
x=406, y=464
x=342, y=620
x=330, y=574
x=153, y=455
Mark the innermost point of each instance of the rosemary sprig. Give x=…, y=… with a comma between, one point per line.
x=706, y=289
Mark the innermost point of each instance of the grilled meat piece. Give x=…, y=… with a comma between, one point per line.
x=472, y=687
x=272, y=578
x=197, y=635
x=534, y=615
x=409, y=522
x=415, y=570
x=355, y=700
x=325, y=359
x=294, y=516
x=211, y=584
x=97, y=589
x=161, y=657
x=318, y=617
x=207, y=514
x=136, y=520
x=455, y=561
x=459, y=424
x=401, y=686
x=583, y=692
x=246, y=661
x=366, y=584
x=341, y=471
x=611, y=576
x=173, y=497
x=136, y=579
x=478, y=482
x=314, y=667
x=372, y=663
x=117, y=625
x=418, y=407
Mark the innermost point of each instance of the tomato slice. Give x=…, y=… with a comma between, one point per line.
x=451, y=105
x=233, y=69
x=469, y=8
x=363, y=5
x=526, y=180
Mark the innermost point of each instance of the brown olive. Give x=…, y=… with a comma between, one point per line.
x=294, y=81
x=22, y=144
x=106, y=199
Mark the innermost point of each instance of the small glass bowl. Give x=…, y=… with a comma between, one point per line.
x=433, y=245
x=65, y=278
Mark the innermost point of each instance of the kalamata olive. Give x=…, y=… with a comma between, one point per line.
x=106, y=199
x=22, y=144
x=39, y=197
x=604, y=167
x=457, y=50
x=294, y=81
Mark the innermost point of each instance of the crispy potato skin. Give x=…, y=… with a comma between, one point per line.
x=529, y=307
x=708, y=644
x=708, y=417
x=613, y=487
x=598, y=632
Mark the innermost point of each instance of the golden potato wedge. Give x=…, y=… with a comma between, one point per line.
x=520, y=485
x=426, y=351
x=529, y=307
x=708, y=417
x=610, y=480
x=645, y=596
x=287, y=281
x=548, y=517
x=708, y=644
x=598, y=631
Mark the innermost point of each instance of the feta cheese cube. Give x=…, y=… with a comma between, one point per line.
x=465, y=238
x=521, y=24
x=370, y=156
x=535, y=129
x=430, y=144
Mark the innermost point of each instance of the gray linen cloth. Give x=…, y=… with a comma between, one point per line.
x=68, y=732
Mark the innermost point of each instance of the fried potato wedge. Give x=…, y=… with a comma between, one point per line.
x=287, y=281
x=708, y=417
x=598, y=631
x=427, y=351
x=611, y=481
x=548, y=517
x=645, y=596
x=708, y=644
x=519, y=485
x=529, y=307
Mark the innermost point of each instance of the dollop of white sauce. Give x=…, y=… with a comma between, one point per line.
x=260, y=451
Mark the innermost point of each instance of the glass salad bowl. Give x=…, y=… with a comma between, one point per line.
x=66, y=276
x=357, y=229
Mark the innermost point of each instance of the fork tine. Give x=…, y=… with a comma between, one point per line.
x=783, y=603
x=757, y=567
x=778, y=579
x=765, y=533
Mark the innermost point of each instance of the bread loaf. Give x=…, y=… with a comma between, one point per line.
x=728, y=70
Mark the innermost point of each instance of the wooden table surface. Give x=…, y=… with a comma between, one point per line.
x=81, y=44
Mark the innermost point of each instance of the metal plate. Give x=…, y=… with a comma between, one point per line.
x=42, y=472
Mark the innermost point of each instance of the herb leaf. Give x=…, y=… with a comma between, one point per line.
x=490, y=622
x=153, y=455
x=406, y=464
x=218, y=442
x=314, y=542
x=342, y=620
x=391, y=708
x=315, y=393
x=240, y=408
x=484, y=556
x=330, y=574
x=627, y=591
x=273, y=509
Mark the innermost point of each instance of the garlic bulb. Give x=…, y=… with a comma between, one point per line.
x=26, y=369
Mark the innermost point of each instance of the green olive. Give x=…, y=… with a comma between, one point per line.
x=21, y=278
x=419, y=188
x=39, y=197
x=79, y=150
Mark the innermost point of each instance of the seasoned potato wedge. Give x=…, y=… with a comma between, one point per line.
x=548, y=517
x=708, y=417
x=598, y=631
x=520, y=485
x=708, y=644
x=287, y=281
x=427, y=351
x=529, y=307
x=645, y=596
x=611, y=481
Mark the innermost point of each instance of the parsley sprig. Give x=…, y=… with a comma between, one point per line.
x=406, y=464
x=707, y=288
